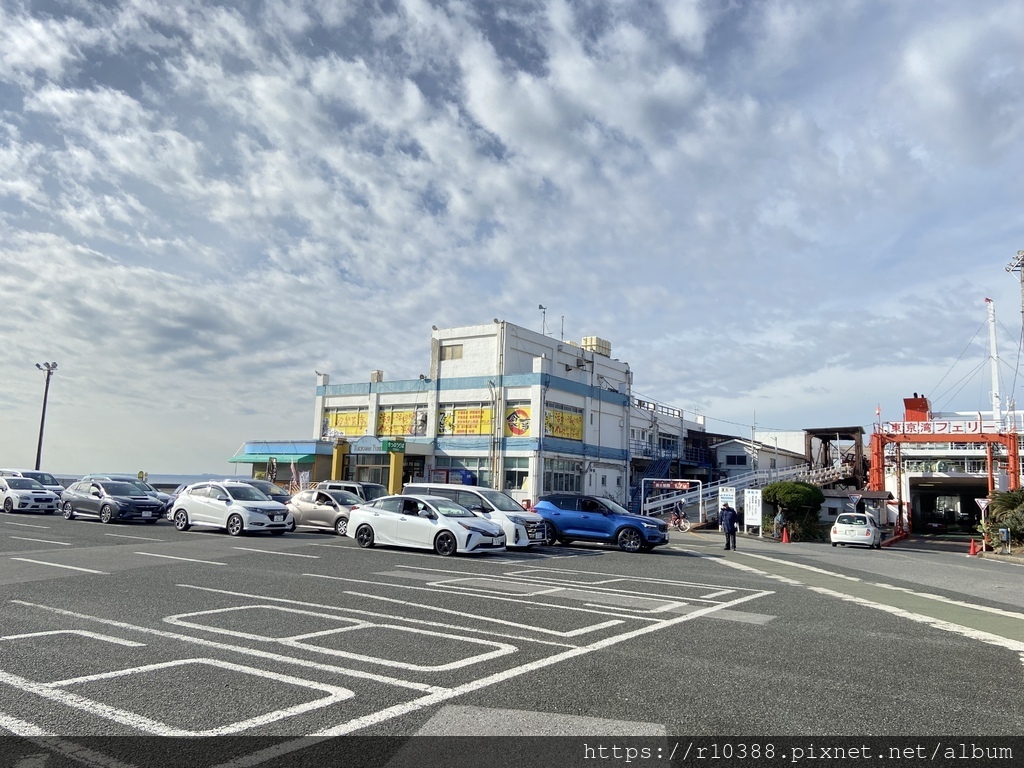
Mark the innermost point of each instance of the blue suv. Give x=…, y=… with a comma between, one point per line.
x=573, y=517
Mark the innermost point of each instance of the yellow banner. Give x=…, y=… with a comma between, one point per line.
x=517, y=421
x=348, y=423
x=563, y=424
x=464, y=421
x=395, y=422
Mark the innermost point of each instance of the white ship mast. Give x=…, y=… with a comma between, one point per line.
x=997, y=416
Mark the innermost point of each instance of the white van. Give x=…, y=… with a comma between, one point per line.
x=365, y=491
x=522, y=528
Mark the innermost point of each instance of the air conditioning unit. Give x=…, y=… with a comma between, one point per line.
x=580, y=362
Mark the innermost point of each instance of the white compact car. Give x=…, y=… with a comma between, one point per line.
x=236, y=507
x=856, y=528
x=23, y=494
x=423, y=522
x=522, y=527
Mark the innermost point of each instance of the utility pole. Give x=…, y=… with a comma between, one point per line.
x=49, y=368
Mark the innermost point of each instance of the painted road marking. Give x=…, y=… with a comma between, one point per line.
x=126, y=536
x=253, y=652
x=58, y=565
x=272, y=552
x=26, y=525
x=443, y=625
x=53, y=692
x=81, y=633
x=41, y=541
x=187, y=559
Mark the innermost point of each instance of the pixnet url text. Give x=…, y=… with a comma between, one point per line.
x=793, y=753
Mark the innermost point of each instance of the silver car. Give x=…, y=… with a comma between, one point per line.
x=323, y=510
x=236, y=507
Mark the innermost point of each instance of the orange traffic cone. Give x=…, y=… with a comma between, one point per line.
x=974, y=549
x=785, y=535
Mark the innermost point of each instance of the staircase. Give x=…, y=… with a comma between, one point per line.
x=657, y=468
x=757, y=479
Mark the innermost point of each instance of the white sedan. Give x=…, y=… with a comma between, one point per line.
x=23, y=494
x=856, y=528
x=423, y=522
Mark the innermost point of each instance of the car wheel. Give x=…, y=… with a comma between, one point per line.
x=8, y=505
x=445, y=544
x=181, y=520
x=291, y=528
x=235, y=525
x=106, y=513
x=341, y=526
x=551, y=537
x=833, y=544
x=630, y=540
x=69, y=511
x=364, y=536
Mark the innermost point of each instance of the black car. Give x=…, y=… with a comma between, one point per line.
x=273, y=490
x=571, y=517
x=109, y=500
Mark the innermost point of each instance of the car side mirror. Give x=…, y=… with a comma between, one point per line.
x=427, y=513
x=223, y=497
x=478, y=510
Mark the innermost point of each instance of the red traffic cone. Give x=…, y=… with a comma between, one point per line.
x=974, y=549
x=785, y=535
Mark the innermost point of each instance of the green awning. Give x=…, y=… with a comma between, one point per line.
x=282, y=458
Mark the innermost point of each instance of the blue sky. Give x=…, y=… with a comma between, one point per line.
x=781, y=212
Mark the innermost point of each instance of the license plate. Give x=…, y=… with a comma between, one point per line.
x=537, y=535
x=278, y=518
x=147, y=514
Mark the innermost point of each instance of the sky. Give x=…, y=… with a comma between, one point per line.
x=780, y=214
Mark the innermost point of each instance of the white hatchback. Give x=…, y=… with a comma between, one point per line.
x=856, y=528
x=423, y=522
x=236, y=507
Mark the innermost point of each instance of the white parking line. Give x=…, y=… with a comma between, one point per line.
x=272, y=552
x=20, y=727
x=80, y=632
x=187, y=559
x=25, y=525
x=58, y=565
x=42, y=541
x=125, y=536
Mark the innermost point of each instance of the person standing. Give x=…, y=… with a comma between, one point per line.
x=777, y=527
x=730, y=520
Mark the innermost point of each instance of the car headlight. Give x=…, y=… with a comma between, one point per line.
x=652, y=526
x=257, y=510
x=516, y=520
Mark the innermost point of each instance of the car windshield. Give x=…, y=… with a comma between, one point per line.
x=264, y=485
x=45, y=478
x=449, y=508
x=616, y=508
x=852, y=520
x=374, y=491
x=142, y=487
x=247, y=493
x=500, y=500
x=122, y=489
x=344, y=497
x=24, y=483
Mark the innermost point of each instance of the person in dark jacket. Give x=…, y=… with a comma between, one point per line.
x=729, y=519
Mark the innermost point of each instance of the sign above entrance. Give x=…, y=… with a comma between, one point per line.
x=367, y=444
x=393, y=446
x=670, y=485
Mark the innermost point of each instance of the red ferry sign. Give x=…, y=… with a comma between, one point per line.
x=939, y=428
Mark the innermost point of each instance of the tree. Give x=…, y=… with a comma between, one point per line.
x=801, y=502
x=1006, y=510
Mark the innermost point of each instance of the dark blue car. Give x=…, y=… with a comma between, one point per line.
x=574, y=517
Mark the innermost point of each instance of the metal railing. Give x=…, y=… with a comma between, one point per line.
x=756, y=479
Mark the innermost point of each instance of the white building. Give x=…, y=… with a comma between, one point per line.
x=500, y=406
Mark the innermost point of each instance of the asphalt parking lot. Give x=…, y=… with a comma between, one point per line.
x=134, y=629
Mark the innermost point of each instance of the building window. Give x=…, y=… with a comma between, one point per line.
x=736, y=461
x=479, y=466
x=517, y=472
x=562, y=475
x=451, y=351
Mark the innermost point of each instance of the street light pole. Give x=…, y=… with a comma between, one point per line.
x=49, y=368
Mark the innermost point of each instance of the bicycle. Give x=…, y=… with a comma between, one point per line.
x=679, y=521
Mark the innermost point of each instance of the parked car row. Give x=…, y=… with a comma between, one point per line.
x=447, y=518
